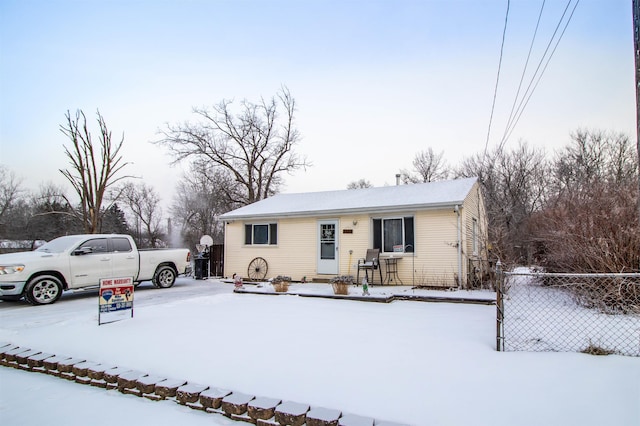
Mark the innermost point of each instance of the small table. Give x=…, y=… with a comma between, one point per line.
x=391, y=268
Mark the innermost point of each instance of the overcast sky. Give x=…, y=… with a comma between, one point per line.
x=375, y=81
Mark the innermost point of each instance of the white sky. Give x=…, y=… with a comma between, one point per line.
x=375, y=81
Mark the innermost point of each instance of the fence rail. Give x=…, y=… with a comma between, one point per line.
x=591, y=313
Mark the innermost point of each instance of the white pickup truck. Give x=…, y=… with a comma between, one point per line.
x=80, y=261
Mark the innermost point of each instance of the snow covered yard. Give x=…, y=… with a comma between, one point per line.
x=410, y=362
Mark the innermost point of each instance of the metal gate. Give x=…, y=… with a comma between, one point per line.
x=216, y=260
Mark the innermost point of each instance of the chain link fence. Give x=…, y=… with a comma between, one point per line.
x=591, y=313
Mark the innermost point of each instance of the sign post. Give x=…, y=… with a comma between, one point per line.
x=115, y=299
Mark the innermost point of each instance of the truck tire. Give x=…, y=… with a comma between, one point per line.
x=164, y=277
x=43, y=290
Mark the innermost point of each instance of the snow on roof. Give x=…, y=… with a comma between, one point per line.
x=371, y=200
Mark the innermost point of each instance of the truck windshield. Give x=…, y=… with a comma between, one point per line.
x=59, y=244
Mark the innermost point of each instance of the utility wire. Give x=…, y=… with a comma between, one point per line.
x=524, y=71
x=495, y=92
x=528, y=94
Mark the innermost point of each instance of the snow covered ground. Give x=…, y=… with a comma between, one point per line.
x=410, y=362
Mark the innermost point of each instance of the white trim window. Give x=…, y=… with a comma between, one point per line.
x=394, y=234
x=260, y=234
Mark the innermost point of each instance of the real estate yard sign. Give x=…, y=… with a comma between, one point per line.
x=115, y=300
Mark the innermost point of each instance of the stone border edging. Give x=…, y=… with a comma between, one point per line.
x=260, y=411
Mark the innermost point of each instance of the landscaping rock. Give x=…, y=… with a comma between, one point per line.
x=95, y=372
x=10, y=355
x=355, y=420
x=81, y=371
x=262, y=408
x=235, y=404
x=323, y=417
x=3, y=351
x=51, y=364
x=189, y=393
x=128, y=382
x=147, y=384
x=65, y=368
x=66, y=365
x=211, y=399
x=111, y=376
x=36, y=362
x=22, y=357
x=169, y=388
x=291, y=413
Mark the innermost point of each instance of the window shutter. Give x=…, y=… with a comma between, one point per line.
x=247, y=234
x=377, y=234
x=273, y=230
x=408, y=235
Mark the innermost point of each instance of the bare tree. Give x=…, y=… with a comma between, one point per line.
x=255, y=145
x=10, y=191
x=514, y=186
x=595, y=232
x=51, y=215
x=590, y=221
x=92, y=170
x=593, y=157
x=202, y=196
x=359, y=184
x=144, y=204
x=427, y=167
x=13, y=205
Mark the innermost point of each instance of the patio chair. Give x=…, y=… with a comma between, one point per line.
x=370, y=263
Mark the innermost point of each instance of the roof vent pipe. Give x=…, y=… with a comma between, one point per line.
x=397, y=178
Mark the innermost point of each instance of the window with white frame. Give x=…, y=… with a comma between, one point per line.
x=261, y=233
x=394, y=234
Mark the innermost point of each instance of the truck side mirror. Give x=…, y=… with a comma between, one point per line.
x=82, y=251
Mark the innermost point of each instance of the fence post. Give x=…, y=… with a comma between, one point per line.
x=499, y=307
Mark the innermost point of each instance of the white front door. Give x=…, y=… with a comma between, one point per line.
x=328, y=247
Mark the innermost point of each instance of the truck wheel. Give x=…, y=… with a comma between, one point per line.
x=165, y=277
x=43, y=290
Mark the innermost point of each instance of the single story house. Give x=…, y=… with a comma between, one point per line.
x=428, y=234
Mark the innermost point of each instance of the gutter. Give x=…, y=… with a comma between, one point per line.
x=334, y=212
x=456, y=209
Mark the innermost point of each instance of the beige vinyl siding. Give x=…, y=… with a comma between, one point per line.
x=436, y=256
x=296, y=253
x=357, y=242
x=474, y=209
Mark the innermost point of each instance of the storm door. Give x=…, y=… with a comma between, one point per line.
x=328, y=247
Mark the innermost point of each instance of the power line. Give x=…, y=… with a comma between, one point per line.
x=495, y=92
x=528, y=94
x=524, y=71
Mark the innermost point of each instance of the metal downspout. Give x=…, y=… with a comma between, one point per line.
x=456, y=209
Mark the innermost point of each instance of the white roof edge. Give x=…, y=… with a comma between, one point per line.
x=311, y=213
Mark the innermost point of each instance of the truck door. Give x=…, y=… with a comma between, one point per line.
x=90, y=262
x=124, y=259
